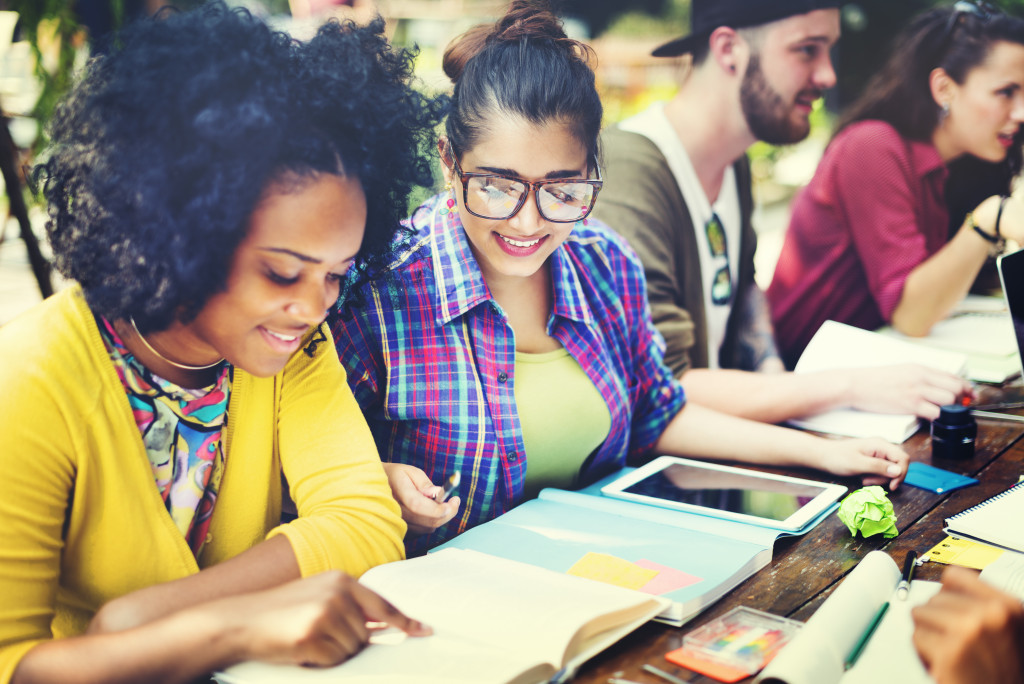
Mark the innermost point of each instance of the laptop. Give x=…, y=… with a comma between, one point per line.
x=1011, y=276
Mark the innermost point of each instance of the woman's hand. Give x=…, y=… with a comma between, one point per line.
x=905, y=388
x=320, y=620
x=877, y=461
x=970, y=632
x=1011, y=221
x=418, y=498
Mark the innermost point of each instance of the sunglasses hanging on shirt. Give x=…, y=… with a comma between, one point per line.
x=721, y=286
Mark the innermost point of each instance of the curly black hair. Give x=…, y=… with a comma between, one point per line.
x=160, y=154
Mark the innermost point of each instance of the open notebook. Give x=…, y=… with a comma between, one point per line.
x=819, y=651
x=995, y=521
x=837, y=345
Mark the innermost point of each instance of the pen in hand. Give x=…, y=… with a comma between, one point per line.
x=449, y=487
x=903, y=588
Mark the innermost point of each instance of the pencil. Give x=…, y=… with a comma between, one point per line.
x=997, y=416
x=859, y=648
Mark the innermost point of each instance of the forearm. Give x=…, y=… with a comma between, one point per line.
x=268, y=564
x=701, y=432
x=935, y=286
x=178, y=648
x=767, y=397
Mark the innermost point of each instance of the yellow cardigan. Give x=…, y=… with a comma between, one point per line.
x=81, y=521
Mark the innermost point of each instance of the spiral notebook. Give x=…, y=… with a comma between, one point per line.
x=995, y=521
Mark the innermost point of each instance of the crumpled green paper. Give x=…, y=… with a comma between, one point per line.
x=869, y=511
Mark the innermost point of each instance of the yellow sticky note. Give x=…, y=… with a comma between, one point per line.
x=969, y=554
x=612, y=570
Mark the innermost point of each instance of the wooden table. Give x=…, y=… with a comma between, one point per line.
x=805, y=570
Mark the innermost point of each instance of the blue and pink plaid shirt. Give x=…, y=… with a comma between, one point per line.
x=431, y=359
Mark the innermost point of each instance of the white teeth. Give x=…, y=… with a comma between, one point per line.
x=519, y=243
x=285, y=338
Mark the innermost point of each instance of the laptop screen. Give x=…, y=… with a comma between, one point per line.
x=1011, y=275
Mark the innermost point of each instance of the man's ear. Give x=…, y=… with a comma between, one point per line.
x=728, y=49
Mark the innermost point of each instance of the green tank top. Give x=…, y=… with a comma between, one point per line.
x=563, y=418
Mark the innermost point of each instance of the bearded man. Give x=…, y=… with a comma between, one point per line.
x=677, y=186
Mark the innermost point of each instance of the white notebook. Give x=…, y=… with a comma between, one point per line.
x=995, y=521
x=837, y=345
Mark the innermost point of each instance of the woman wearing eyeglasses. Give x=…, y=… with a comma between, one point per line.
x=511, y=341
x=868, y=241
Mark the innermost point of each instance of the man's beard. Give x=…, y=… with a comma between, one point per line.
x=767, y=115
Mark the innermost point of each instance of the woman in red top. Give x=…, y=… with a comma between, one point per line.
x=868, y=241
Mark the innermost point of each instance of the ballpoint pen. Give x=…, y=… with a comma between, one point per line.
x=903, y=588
x=450, y=485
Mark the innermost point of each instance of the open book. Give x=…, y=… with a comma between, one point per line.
x=818, y=653
x=494, y=620
x=837, y=345
x=980, y=328
x=688, y=558
x=995, y=521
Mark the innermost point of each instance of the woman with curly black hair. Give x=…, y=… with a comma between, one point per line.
x=209, y=184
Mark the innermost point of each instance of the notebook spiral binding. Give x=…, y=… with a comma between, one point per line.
x=986, y=501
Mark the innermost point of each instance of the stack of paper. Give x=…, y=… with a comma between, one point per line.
x=837, y=345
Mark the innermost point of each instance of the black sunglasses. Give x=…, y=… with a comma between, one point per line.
x=982, y=10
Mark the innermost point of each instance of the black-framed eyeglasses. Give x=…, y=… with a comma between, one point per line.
x=721, y=285
x=496, y=197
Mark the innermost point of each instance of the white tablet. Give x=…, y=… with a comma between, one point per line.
x=778, y=501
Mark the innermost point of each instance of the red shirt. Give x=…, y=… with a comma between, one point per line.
x=874, y=210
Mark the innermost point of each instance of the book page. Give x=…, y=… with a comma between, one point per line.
x=462, y=590
x=493, y=620
x=443, y=658
x=837, y=345
x=818, y=653
x=892, y=427
x=890, y=655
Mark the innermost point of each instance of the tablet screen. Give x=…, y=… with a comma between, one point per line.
x=727, y=491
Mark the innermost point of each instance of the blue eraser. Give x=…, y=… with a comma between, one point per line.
x=935, y=479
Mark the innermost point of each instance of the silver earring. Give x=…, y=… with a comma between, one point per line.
x=943, y=112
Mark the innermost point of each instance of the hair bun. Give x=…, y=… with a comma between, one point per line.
x=524, y=20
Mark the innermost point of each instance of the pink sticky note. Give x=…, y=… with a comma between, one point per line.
x=667, y=580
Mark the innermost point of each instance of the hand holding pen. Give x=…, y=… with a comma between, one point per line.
x=425, y=506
